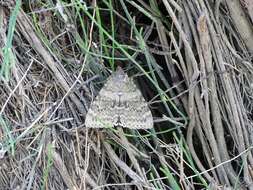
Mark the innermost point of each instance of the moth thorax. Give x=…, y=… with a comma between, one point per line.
x=120, y=78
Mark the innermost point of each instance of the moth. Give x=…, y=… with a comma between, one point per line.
x=119, y=104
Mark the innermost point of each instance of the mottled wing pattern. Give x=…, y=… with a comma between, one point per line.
x=119, y=103
x=138, y=116
x=100, y=116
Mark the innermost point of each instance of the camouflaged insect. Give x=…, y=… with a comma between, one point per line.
x=119, y=103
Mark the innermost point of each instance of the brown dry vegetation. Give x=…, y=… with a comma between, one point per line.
x=192, y=60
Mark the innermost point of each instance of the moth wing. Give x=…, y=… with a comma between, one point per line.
x=136, y=114
x=101, y=113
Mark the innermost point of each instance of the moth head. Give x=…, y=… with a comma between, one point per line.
x=119, y=82
x=120, y=76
